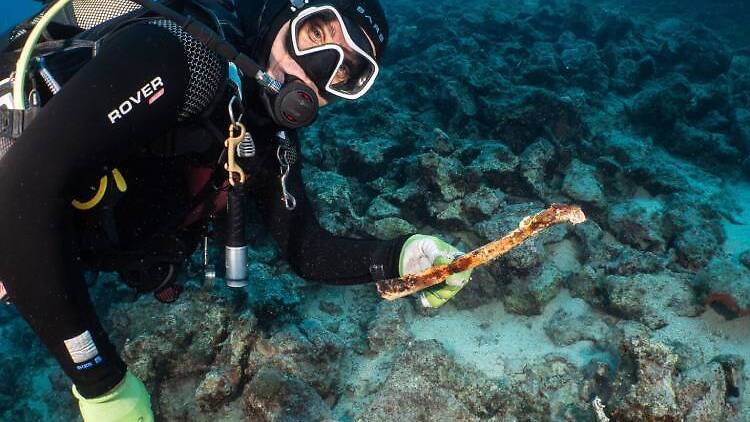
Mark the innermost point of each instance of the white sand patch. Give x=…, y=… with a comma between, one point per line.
x=496, y=342
x=738, y=235
x=709, y=332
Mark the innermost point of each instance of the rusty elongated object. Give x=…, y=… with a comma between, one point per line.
x=530, y=226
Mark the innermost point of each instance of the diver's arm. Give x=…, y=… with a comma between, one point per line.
x=313, y=252
x=131, y=91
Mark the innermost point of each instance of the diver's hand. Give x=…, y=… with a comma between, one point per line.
x=421, y=252
x=127, y=402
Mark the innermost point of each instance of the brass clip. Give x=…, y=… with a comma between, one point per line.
x=231, y=143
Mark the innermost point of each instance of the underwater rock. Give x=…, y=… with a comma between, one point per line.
x=624, y=147
x=442, y=174
x=537, y=114
x=695, y=247
x=224, y=379
x=380, y=208
x=527, y=295
x=745, y=259
x=725, y=283
x=335, y=200
x=541, y=69
x=638, y=222
x=435, y=388
x=482, y=203
x=646, y=389
x=650, y=385
x=613, y=28
x=534, y=162
x=581, y=184
x=272, y=296
x=307, y=351
x=493, y=162
x=172, y=341
x=273, y=396
x=582, y=66
x=391, y=228
x=366, y=158
x=662, y=104
x=633, y=298
x=576, y=322
x=448, y=214
x=389, y=328
x=702, y=54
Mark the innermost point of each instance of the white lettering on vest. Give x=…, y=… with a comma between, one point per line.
x=146, y=92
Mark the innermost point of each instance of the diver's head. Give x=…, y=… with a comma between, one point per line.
x=332, y=46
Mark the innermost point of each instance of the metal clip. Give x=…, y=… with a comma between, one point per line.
x=289, y=200
x=238, y=102
x=231, y=144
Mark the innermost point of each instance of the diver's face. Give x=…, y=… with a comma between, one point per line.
x=312, y=33
x=315, y=32
x=281, y=63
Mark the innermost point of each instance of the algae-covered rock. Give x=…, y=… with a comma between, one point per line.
x=435, y=388
x=272, y=396
x=650, y=394
x=391, y=228
x=649, y=385
x=726, y=284
x=638, y=223
x=582, y=185
x=633, y=297
x=528, y=295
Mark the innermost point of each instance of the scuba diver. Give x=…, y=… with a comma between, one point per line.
x=114, y=156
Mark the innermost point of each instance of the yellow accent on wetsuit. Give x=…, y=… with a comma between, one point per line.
x=104, y=183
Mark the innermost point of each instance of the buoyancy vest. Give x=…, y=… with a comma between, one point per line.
x=63, y=51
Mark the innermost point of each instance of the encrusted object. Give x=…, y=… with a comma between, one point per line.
x=395, y=288
x=599, y=409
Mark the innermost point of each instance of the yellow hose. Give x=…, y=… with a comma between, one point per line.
x=22, y=66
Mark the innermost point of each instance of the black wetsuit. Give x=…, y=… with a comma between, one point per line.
x=74, y=137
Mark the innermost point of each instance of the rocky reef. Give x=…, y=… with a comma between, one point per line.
x=483, y=115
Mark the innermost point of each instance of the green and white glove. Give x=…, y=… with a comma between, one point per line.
x=127, y=402
x=421, y=252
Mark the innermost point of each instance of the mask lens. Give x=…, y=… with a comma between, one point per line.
x=323, y=29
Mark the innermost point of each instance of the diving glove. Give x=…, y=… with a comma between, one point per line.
x=421, y=252
x=127, y=402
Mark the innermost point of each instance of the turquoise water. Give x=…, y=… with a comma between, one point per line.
x=486, y=111
x=15, y=11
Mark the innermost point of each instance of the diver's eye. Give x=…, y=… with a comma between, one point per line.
x=342, y=75
x=316, y=34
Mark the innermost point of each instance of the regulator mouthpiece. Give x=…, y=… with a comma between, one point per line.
x=294, y=106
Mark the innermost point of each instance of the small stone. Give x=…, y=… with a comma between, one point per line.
x=482, y=203
x=581, y=184
x=391, y=228
x=574, y=322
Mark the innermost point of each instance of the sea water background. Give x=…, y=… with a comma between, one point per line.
x=13, y=11
x=486, y=111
